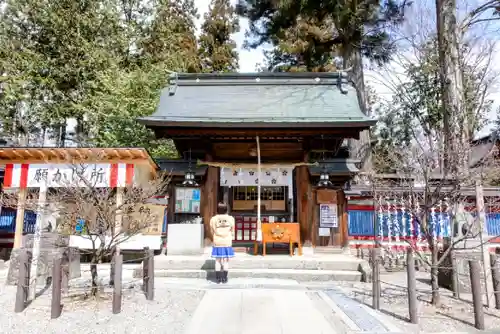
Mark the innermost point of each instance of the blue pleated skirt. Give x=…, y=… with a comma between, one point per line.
x=222, y=252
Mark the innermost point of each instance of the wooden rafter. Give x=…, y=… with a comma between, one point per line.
x=254, y=165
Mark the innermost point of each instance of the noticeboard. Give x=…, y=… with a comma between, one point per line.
x=328, y=216
x=187, y=200
x=156, y=218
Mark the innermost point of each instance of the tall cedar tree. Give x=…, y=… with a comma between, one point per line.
x=360, y=29
x=173, y=32
x=304, y=47
x=216, y=48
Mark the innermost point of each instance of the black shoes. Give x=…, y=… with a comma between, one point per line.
x=221, y=276
x=218, y=276
x=224, y=276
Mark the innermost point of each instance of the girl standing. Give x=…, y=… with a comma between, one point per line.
x=222, y=226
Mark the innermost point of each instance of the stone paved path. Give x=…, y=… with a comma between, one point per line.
x=240, y=308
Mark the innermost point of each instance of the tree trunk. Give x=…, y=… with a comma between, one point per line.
x=455, y=127
x=61, y=138
x=359, y=149
x=112, y=269
x=93, y=271
x=96, y=258
x=80, y=135
x=436, y=298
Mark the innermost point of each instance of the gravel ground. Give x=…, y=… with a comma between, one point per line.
x=170, y=312
x=453, y=315
x=173, y=308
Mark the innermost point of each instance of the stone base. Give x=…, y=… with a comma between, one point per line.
x=307, y=251
x=70, y=264
x=185, y=239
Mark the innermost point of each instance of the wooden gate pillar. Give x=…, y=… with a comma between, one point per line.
x=304, y=198
x=339, y=235
x=344, y=219
x=208, y=203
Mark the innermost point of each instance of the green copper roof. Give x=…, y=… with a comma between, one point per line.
x=223, y=99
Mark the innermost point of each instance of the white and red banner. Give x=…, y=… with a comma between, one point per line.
x=63, y=175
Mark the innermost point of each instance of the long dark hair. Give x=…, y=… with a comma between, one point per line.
x=222, y=208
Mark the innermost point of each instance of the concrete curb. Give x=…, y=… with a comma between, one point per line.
x=344, y=317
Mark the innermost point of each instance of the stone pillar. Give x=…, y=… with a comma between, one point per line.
x=37, y=239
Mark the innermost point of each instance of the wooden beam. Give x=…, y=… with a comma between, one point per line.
x=29, y=154
x=58, y=155
x=17, y=154
x=6, y=154
x=267, y=132
x=128, y=153
x=42, y=155
x=76, y=153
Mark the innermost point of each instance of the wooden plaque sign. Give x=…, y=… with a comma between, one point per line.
x=326, y=196
x=154, y=216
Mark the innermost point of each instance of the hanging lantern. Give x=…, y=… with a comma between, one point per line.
x=324, y=179
x=189, y=180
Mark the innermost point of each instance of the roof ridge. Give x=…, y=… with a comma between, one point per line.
x=262, y=75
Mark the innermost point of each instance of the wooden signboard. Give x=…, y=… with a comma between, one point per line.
x=153, y=214
x=324, y=196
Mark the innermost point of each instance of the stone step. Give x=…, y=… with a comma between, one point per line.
x=336, y=262
x=328, y=250
x=299, y=275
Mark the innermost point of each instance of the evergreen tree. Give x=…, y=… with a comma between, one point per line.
x=304, y=47
x=358, y=27
x=172, y=32
x=50, y=52
x=125, y=95
x=83, y=60
x=217, y=50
